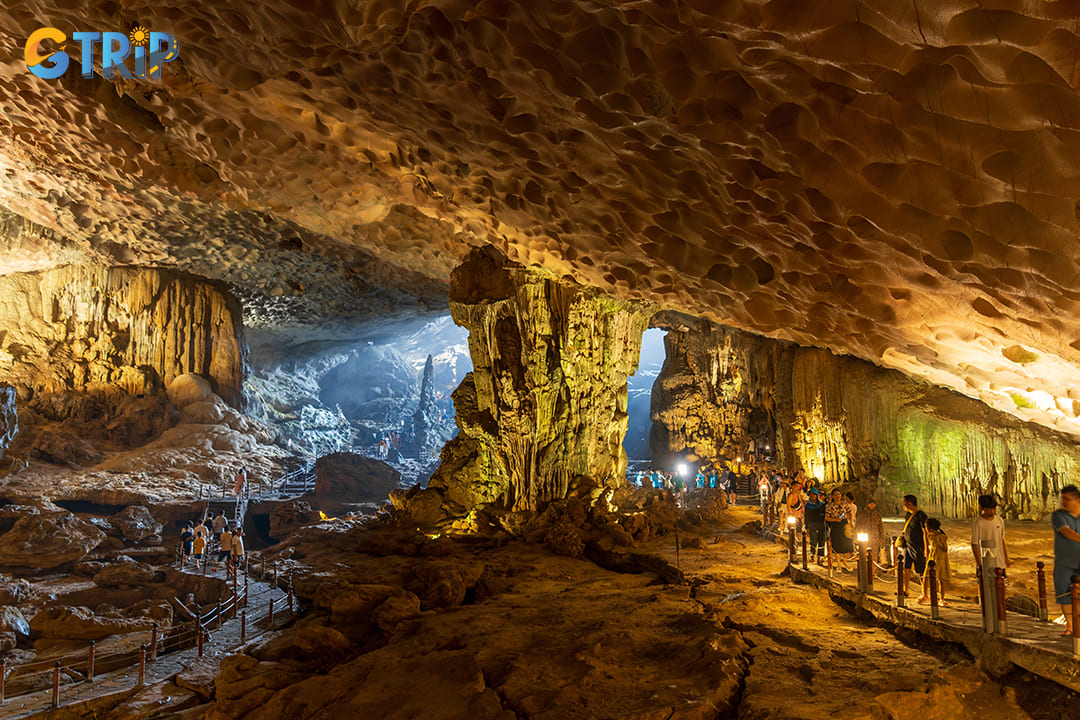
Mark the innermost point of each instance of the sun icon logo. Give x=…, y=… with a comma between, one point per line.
x=139, y=36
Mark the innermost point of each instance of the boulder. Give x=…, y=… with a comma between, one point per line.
x=126, y=572
x=347, y=477
x=79, y=623
x=8, y=641
x=47, y=542
x=290, y=516
x=136, y=523
x=189, y=388
x=198, y=676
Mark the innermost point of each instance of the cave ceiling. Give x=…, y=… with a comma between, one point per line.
x=894, y=180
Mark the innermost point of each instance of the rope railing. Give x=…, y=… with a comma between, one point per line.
x=35, y=676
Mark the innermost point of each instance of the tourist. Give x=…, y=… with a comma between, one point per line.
x=224, y=546
x=937, y=550
x=219, y=523
x=870, y=522
x=988, y=533
x=198, y=545
x=795, y=505
x=814, y=514
x=764, y=490
x=1066, y=523
x=914, y=535
x=187, y=538
x=839, y=529
x=237, y=548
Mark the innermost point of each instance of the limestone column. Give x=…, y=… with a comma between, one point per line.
x=546, y=400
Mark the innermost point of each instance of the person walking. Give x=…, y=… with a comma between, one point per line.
x=224, y=547
x=914, y=535
x=198, y=545
x=237, y=548
x=187, y=538
x=839, y=530
x=1066, y=523
x=814, y=515
x=870, y=522
x=219, y=522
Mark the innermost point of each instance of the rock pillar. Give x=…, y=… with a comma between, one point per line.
x=546, y=400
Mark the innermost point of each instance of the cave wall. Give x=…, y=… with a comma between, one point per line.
x=547, y=398
x=77, y=328
x=847, y=421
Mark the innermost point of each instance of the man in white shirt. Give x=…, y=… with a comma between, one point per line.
x=989, y=527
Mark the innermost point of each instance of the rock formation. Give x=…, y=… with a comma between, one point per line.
x=546, y=399
x=426, y=438
x=844, y=421
x=78, y=328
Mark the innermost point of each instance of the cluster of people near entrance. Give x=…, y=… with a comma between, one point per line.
x=202, y=542
x=707, y=476
x=835, y=521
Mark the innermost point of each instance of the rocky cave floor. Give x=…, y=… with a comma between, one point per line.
x=403, y=624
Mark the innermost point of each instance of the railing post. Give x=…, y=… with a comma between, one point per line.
x=56, y=685
x=218, y=615
x=805, y=550
x=1074, y=595
x=202, y=640
x=1040, y=575
x=275, y=573
x=931, y=578
x=870, y=568
x=243, y=627
x=142, y=665
x=999, y=584
x=90, y=662
x=901, y=591
x=153, y=641
x=245, y=589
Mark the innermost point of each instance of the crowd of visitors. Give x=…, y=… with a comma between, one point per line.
x=202, y=542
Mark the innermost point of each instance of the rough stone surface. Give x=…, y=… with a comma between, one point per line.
x=125, y=571
x=80, y=623
x=347, y=477
x=847, y=421
x=136, y=523
x=547, y=396
x=38, y=541
x=290, y=516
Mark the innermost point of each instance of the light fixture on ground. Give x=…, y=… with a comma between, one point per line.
x=863, y=565
x=791, y=522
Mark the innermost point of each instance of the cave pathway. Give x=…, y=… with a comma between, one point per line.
x=124, y=681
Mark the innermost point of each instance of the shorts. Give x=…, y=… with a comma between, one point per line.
x=198, y=556
x=1063, y=583
x=914, y=560
x=187, y=548
x=223, y=555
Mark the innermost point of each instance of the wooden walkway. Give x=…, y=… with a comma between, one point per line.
x=75, y=689
x=1032, y=644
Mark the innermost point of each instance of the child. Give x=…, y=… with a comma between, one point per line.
x=187, y=537
x=199, y=544
x=937, y=550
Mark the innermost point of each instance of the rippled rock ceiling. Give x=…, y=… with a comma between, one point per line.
x=894, y=180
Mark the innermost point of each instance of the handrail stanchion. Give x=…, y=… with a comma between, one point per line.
x=142, y=665
x=900, y=589
x=805, y=550
x=1040, y=574
x=243, y=627
x=999, y=583
x=931, y=578
x=1074, y=595
x=56, y=685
